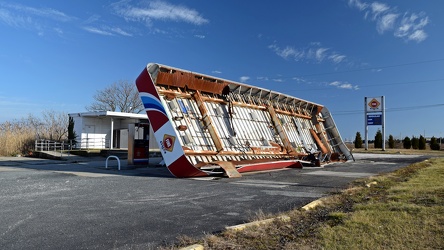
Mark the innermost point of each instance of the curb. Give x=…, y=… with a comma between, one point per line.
x=193, y=247
x=314, y=204
x=241, y=227
x=257, y=223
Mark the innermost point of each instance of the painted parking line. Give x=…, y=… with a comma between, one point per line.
x=11, y=169
x=85, y=174
x=340, y=174
x=264, y=183
x=293, y=193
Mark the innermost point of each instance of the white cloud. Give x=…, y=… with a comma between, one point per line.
x=386, y=22
x=216, y=72
x=159, y=10
x=314, y=52
x=199, y=36
x=98, y=31
x=262, y=78
x=107, y=31
x=410, y=27
x=358, y=4
x=244, y=78
x=344, y=85
x=337, y=58
x=119, y=31
x=41, y=12
x=417, y=36
x=320, y=54
x=14, y=20
x=378, y=8
x=34, y=19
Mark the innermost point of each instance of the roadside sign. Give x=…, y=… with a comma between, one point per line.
x=374, y=115
x=374, y=104
x=374, y=119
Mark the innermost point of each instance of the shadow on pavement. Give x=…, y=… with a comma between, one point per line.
x=83, y=166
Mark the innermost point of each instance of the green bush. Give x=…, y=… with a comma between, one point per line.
x=422, y=143
x=407, y=143
x=378, y=139
x=415, y=142
x=434, y=145
x=358, y=140
x=391, y=141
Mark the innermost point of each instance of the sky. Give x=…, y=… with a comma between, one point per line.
x=55, y=55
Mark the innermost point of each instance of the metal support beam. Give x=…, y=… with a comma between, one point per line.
x=207, y=121
x=280, y=129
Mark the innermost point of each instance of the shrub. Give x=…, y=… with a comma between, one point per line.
x=415, y=142
x=434, y=145
x=391, y=142
x=422, y=143
x=407, y=143
x=358, y=140
x=378, y=139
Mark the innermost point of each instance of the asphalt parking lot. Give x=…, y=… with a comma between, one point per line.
x=81, y=205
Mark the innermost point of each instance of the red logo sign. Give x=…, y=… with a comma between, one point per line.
x=374, y=104
x=168, y=142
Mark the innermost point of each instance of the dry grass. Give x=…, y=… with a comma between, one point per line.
x=16, y=138
x=399, y=210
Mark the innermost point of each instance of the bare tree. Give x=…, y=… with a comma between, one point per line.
x=120, y=96
x=55, y=125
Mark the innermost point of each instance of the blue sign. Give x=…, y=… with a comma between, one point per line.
x=374, y=119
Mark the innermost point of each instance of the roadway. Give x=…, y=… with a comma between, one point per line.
x=49, y=204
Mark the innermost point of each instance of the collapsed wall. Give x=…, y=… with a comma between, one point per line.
x=211, y=126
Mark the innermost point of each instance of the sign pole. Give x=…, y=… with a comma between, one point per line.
x=383, y=122
x=365, y=122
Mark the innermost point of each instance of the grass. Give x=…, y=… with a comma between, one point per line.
x=399, y=210
x=437, y=153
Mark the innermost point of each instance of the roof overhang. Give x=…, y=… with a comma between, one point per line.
x=110, y=114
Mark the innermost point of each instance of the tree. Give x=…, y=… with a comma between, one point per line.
x=55, y=125
x=121, y=96
x=378, y=139
x=407, y=143
x=422, y=143
x=71, y=133
x=358, y=140
x=434, y=145
x=391, y=142
x=415, y=142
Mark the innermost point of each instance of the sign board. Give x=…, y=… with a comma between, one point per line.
x=374, y=119
x=374, y=104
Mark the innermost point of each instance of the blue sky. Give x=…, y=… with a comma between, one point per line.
x=55, y=55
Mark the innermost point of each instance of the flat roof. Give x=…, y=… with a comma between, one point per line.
x=110, y=114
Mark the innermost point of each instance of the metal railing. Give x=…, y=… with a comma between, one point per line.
x=48, y=145
x=85, y=143
x=92, y=143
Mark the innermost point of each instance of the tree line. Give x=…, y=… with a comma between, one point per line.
x=407, y=143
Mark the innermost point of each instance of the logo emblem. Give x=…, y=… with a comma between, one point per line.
x=168, y=142
x=374, y=104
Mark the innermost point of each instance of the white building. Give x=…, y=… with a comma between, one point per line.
x=105, y=129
